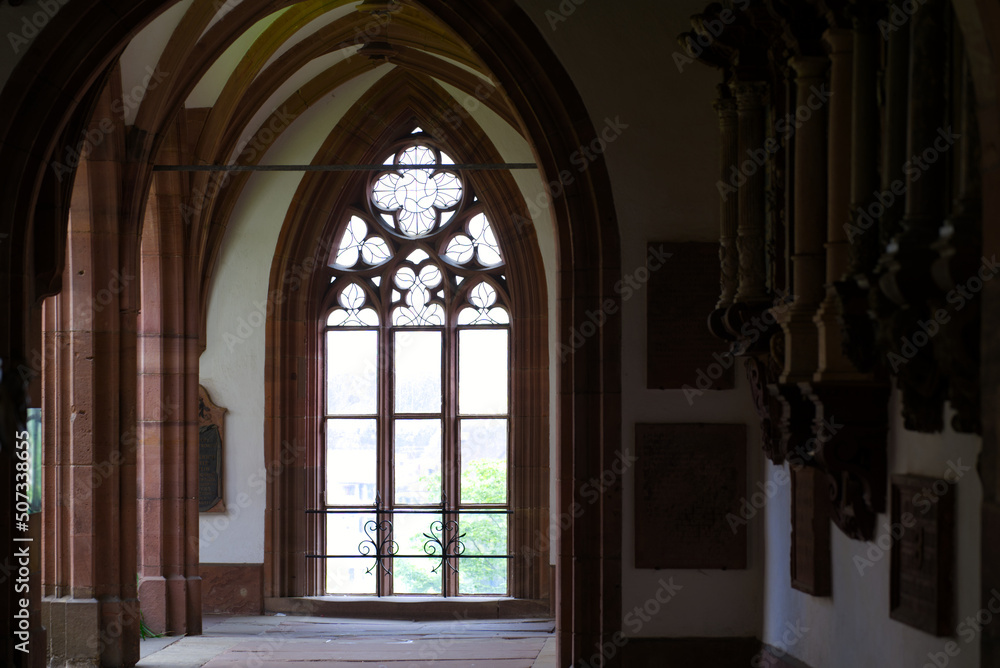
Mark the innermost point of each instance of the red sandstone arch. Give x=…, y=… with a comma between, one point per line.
x=51, y=94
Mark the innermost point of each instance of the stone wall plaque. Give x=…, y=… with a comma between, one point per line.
x=810, y=566
x=691, y=481
x=211, y=427
x=921, y=589
x=680, y=295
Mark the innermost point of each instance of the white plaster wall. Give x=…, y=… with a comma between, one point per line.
x=663, y=168
x=207, y=91
x=233, y=373
x=140, y=59
x=858, y=611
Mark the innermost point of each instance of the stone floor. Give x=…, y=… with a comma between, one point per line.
x=287, y=641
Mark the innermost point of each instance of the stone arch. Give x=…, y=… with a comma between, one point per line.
x=61, y=75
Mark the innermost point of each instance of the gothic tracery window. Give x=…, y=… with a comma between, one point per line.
x=417, y=405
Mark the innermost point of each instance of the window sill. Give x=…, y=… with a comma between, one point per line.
x=410, y=607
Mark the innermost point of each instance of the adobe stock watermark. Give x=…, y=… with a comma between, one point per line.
x=784, y=127
x=959, y=296
x=433, y=650
x=923, y=501
x=797, y=460
x=29, y=369
x=292, y=280
x=715, y=27
x=913, y=168
x=247, y=151
x=635, y=620
x=899, y=14
x=750, y=333
x=95, y=136
x=565, y=9
x=968, y=629
x=373, y=26
x=460, y=111
x=33, y=24
x=591, y=491
x=626, y=287
x=771, y=655
x=258, y=482
x=581, y=158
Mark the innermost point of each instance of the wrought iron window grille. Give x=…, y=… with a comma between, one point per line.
x=443, y=538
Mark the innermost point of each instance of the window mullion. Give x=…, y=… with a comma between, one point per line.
x=452, y=465
x=386, y=465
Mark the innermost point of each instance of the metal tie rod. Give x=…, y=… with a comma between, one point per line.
x=339, y=168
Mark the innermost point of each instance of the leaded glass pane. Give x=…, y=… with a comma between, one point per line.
x=482, y=371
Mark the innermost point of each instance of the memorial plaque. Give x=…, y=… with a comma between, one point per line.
x=211, y=425
x=921, y=590
x=679, y=298
x=810, y=565
x=689, y=491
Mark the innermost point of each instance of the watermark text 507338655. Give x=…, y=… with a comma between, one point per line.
x=22, y=507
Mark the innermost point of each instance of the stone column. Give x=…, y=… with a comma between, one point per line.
x=169, y=587
x=808, y=260
x=749, y=176
x=89, y=406
x=729, y=259
x=833, y=365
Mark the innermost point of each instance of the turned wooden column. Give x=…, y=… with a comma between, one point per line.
x=90, y=606
x=751, y=98
x=729, y=210
x=905, y=278
x=833, y=364
x=808, y=260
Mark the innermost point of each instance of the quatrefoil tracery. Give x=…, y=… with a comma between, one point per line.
x=417, y=202
x=425, y=255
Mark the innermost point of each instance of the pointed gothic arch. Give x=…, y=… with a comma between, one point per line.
x=394, y=105
x=62, y=74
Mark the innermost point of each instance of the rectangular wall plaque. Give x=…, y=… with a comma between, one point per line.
x=679, y=298
x=690, y=484
x=921, y=590
x=810, y=565
x=211, y=424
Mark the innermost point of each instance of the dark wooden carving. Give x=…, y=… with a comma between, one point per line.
x=690, y=485
x=680, y=292
x=921, y=589
x=211, y=426
x=849, y=443
x=810, y=563
x=915, y=236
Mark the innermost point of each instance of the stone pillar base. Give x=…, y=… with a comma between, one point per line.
x=73, y=630
x=85, y=632
x=168, y=603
